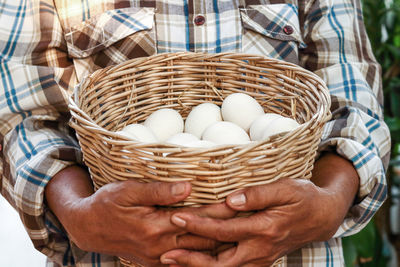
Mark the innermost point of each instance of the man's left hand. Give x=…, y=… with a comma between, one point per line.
x=288, y=214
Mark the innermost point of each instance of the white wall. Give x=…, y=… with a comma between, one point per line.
x=16, y=249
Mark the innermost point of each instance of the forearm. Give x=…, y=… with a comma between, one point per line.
x=66, y=187
x=338, y=177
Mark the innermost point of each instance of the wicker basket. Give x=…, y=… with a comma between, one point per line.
x=128, y=93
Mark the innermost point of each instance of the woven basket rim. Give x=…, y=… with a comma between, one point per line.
x=77, y=112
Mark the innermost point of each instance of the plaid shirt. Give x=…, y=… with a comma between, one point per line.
x=46, y=47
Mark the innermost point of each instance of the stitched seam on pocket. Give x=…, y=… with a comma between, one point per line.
x=267, y=31
x=97, y=36
x=250, y=23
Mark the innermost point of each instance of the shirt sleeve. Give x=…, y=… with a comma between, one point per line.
x=36, y=142
x=338, y=50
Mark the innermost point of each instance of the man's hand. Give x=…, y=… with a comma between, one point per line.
x=288, y=214
x=121, y=218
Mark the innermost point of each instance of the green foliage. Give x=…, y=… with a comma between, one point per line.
x=365, y=249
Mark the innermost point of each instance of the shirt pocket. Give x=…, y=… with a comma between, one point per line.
x=112, y=37
x=272, y=30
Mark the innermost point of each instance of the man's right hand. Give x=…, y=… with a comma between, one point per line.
x=122, y=219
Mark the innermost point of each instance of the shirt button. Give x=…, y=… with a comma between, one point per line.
x=288, y=29
x=199, y=20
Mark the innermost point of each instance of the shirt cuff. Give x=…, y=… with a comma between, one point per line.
x=44, y=229
x=26, y=172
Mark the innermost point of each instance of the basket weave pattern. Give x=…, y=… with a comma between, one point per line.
x=113, y=97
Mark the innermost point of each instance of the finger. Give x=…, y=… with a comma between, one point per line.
x=194, y=242
x=281, y=192
x=180, y=257
x=150, y=194
x=220, y=211
x=188, y=258
x=231, y=230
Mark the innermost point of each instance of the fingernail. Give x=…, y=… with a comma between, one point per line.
x=168, y=261
x=238, y=200
x=178, y=221
x=178, y=189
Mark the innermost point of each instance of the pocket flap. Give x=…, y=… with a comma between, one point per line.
x=277, y=21
x=103, y=30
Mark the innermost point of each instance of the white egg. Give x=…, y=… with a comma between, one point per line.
x=241, y=109
x=138, y=132
x=202, y=116
x=165, y=123
x=182, y=139
x=225, y=132
x=280, y=125
x=259, y=125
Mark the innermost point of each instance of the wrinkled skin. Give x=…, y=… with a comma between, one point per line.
x=140, y=230
x=287, y=215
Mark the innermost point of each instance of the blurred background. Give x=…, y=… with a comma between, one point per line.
x=16, y=249
x=378, y=245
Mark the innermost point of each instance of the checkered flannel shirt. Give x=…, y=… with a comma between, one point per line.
x=47, y=46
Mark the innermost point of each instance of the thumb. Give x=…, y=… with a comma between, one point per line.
x=278, y=193
x=151, y=194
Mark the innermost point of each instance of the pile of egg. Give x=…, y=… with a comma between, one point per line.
x=239, y=120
